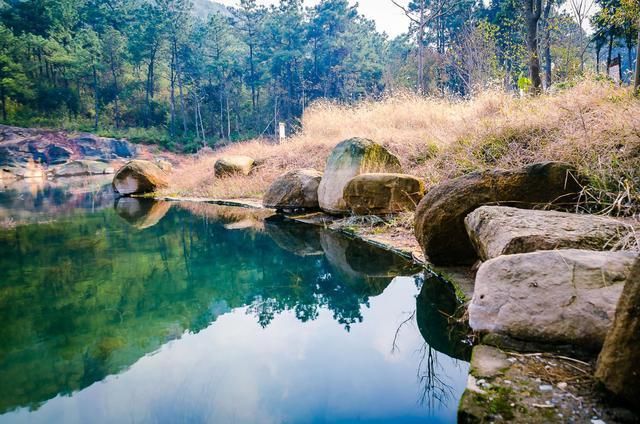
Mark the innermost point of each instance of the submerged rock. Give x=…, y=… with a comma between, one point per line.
x=378, y=194
x=232, y=165
x=348, y=159
x=499, y=230
x=617, y=367
x=293, y=190
x=439, y=222
x=550, y=297
x=139, y=177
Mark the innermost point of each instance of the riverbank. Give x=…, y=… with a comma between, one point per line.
x=592, y=125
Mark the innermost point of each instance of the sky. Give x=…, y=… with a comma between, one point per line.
x=388, y=18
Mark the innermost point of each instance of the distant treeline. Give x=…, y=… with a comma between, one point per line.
x=189, y=74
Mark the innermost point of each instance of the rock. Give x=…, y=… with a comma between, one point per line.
x=294, y=190
x=57, y=155
x=164, y=164
x=550, y=297
x=378, y=194
x=350, y=158
x=141, y=213
x=6, y=176
x=488, y=362
x=617, y=367
x=231, y=165
x=499, y=230
x=29, y=170
x=439, y=222
x=139, y=177
x=82, y=167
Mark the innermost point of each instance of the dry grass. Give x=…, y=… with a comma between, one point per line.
x=593, y=125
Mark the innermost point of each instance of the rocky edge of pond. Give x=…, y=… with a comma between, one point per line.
x=549, y=281
x=33, y=153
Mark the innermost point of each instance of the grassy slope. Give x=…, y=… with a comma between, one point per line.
x=592, y=125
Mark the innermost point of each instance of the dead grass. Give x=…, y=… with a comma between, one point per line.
x=593, y=125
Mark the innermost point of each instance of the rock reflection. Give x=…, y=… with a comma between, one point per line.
x=436, y=309
x=141, y=213
x=301, y=240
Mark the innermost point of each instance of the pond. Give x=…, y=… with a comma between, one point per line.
x=141, y=311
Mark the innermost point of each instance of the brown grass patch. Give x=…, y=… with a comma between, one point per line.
x=593, y=125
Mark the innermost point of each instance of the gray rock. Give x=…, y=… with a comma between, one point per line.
x=439, y=222
x=550, y=297
x=350, y=158
x=383, y=193
x=488, y=362
x=296, y=189
x=82, y=167
x=499, y=230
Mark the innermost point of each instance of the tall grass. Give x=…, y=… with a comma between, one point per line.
x=593, y=125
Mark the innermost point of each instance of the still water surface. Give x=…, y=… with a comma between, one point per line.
x=132, y=311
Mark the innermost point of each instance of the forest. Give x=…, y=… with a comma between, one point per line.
x=191, y=74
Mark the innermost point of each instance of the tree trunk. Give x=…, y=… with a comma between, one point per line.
x=421, y=88
x=116, y=99
x=150, y=85
x=96, y=98
x=185, y=129
x=172, y=93
x=636, y=84
x=3, y=98
x=598, y=51
x=533, y=16
x=253, y=79
x=610, y=52
x=547, y=44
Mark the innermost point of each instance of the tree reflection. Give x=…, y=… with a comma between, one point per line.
x=86, y=297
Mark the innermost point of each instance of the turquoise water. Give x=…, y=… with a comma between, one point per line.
x=135, y=311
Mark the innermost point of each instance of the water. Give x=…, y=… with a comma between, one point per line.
x=158, y=312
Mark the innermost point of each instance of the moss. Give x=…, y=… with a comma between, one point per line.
x=500, y=400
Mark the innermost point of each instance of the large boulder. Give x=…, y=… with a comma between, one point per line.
x=82, y=167
x=232, y=165
x=379, y=194
x=550, y=297
x=350, y=158
x=296, y=189
x=500, y=230
x=617, y=367
x=439, y=222
x=139, y=177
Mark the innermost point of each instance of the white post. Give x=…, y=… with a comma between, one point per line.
x=282, y=132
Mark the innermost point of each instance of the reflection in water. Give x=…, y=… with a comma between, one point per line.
x=25, y=201
x=436, y=306
x=141, y=212
x=86, y=298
